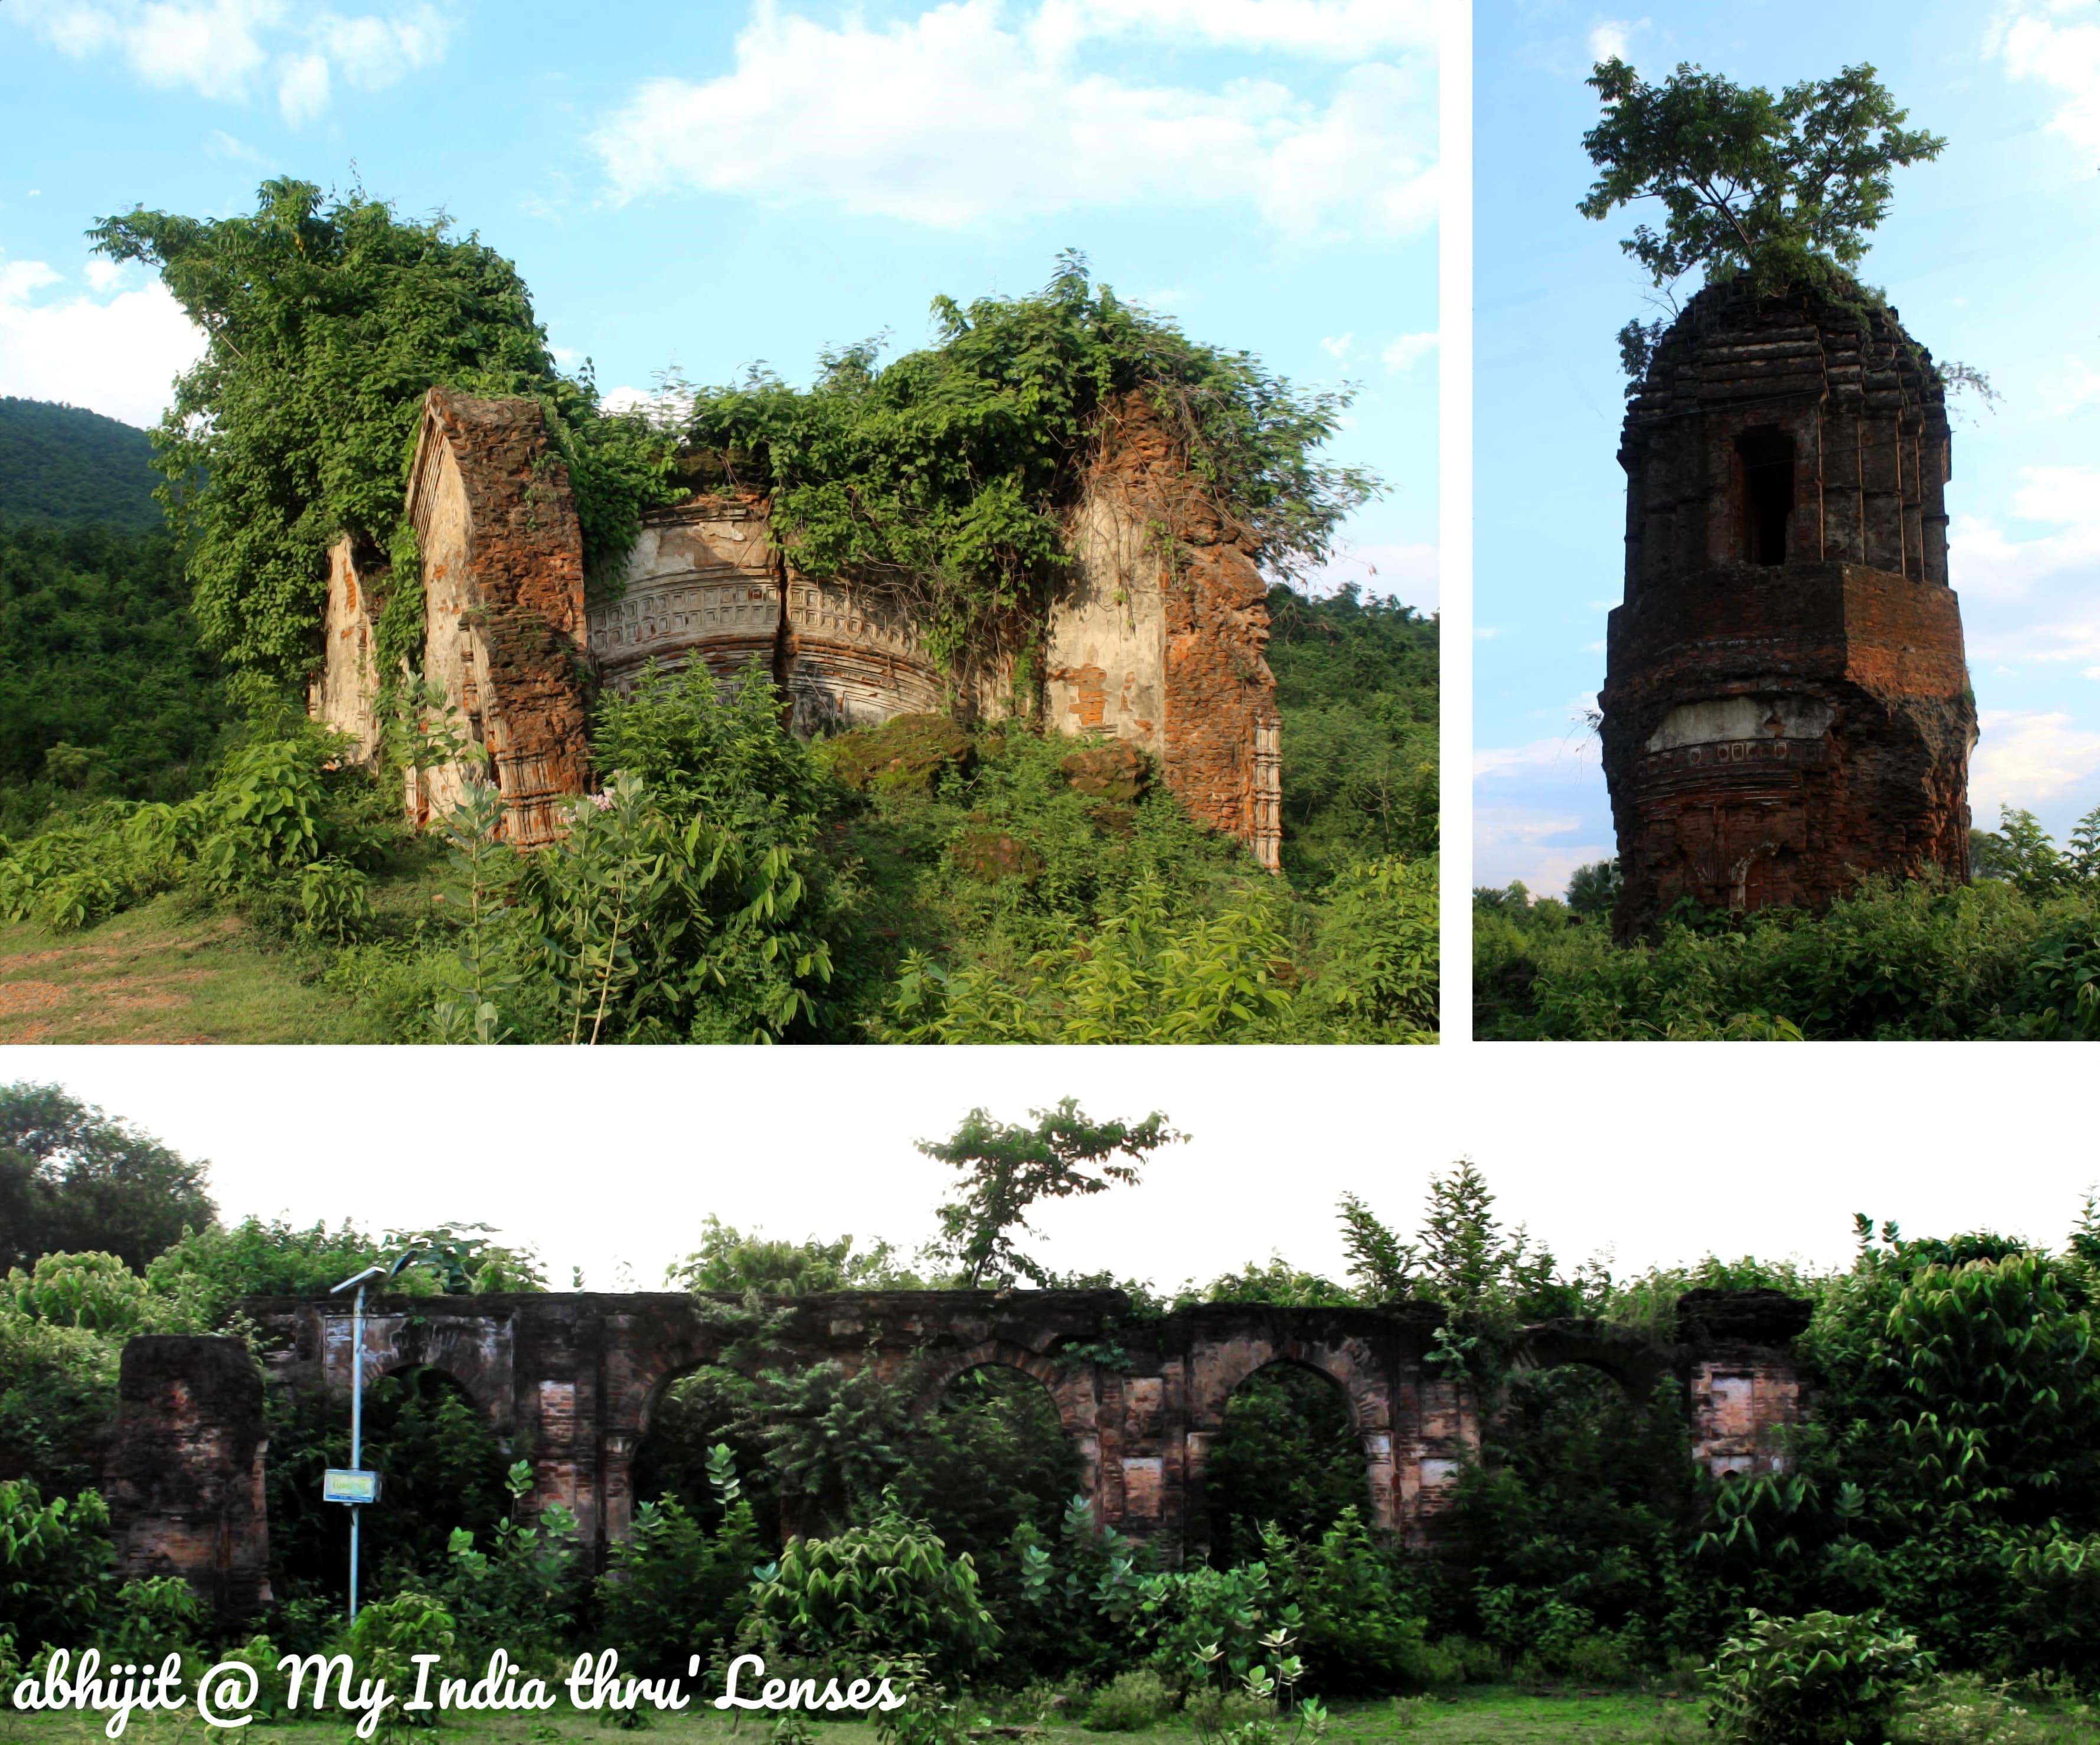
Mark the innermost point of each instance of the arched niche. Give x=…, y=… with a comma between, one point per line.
x=1290, y=1446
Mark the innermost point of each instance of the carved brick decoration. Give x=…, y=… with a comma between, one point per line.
x=1156, y=638
x=571, y=1381
x=184, y=1477
x=503, y=580
x=1786, y=703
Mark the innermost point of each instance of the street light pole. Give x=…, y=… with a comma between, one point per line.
x=356, y=1427
x=357, y=1393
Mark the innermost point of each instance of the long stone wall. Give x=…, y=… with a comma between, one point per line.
x=575, y=1380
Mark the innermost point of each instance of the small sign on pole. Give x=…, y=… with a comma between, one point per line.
x=344, y=1484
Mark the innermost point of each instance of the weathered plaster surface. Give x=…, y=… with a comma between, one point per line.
x=344, y=693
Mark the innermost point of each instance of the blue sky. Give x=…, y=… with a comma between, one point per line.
x=1991, y=255
x=702, y=186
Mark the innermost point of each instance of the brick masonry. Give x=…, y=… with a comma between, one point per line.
x=573, y=1380
x=1156, y=638
x=505, y=631
x=184, y=1475
x=1786, y=703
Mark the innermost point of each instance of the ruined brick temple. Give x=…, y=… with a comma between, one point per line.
x=1786, y=704
x=1157, y=636
x=569, y=1382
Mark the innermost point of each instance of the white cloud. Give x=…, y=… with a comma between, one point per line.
x=953, y=118
x=302, y=89
x=1342, y=29
x=1337, y=348
x=1540, y=811
x=2056, y=42
x=225, y=50
x=1408, y=351
x=2025, y=757
x=1984, y=560
x=1611, y=38
x=117, y=356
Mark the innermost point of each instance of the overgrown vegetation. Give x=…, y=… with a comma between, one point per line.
x=914, y=882
x=945, y=474
x=1920, y=1570
x=2015, y=955
x=1781, y=191
x=328, y=318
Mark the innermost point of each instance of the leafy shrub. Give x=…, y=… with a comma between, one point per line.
x=1363, y=1633
x=54, y=1562
x=888, y=1588
x=385, y=1640
x=519, y=1594
x=1819, y=1680
x=1375, y=954
x=95, y=1292
x=1918, y=960
x=1129, y=1703
x=157, y=1617
x=907, y=754
x=672, y=1589
x=1964, y=1709
x=1458, y=1660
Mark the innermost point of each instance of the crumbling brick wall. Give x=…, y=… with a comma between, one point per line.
x=571, y=1381
x=184, y=1476
x=1786, y=703
x=504, y=628
x=1183, y=579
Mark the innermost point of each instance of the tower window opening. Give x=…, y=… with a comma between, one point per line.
x=1766, y=457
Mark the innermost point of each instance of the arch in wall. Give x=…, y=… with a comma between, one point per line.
x=1324, y=1448
x=1364, y=1387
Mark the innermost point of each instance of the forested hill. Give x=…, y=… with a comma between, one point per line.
x=66, y=466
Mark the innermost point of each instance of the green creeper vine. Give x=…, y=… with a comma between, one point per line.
x=327, y=319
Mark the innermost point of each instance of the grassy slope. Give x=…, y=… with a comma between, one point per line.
x=162, y=974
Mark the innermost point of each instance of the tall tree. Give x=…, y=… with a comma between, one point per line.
x=1785, y=186
x=1007, y=1168
x=326, y=319
x=73, y=1179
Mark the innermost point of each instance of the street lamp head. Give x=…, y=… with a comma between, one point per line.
x=365, y=1277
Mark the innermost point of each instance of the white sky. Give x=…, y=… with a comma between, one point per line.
x=1656, y=1153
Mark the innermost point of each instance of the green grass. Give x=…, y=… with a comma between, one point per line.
x=1483, y=1715
x=164, y=973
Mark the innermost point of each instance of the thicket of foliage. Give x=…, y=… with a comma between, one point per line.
x=2015, y=955
x=945, y=473
x=71, y=1178
x=104, y=691
x=1355, y=684
x=66, y=466
x=328, y=318
x=1942, y=1507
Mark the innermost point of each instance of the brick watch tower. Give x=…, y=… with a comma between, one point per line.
x=1786, y=704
